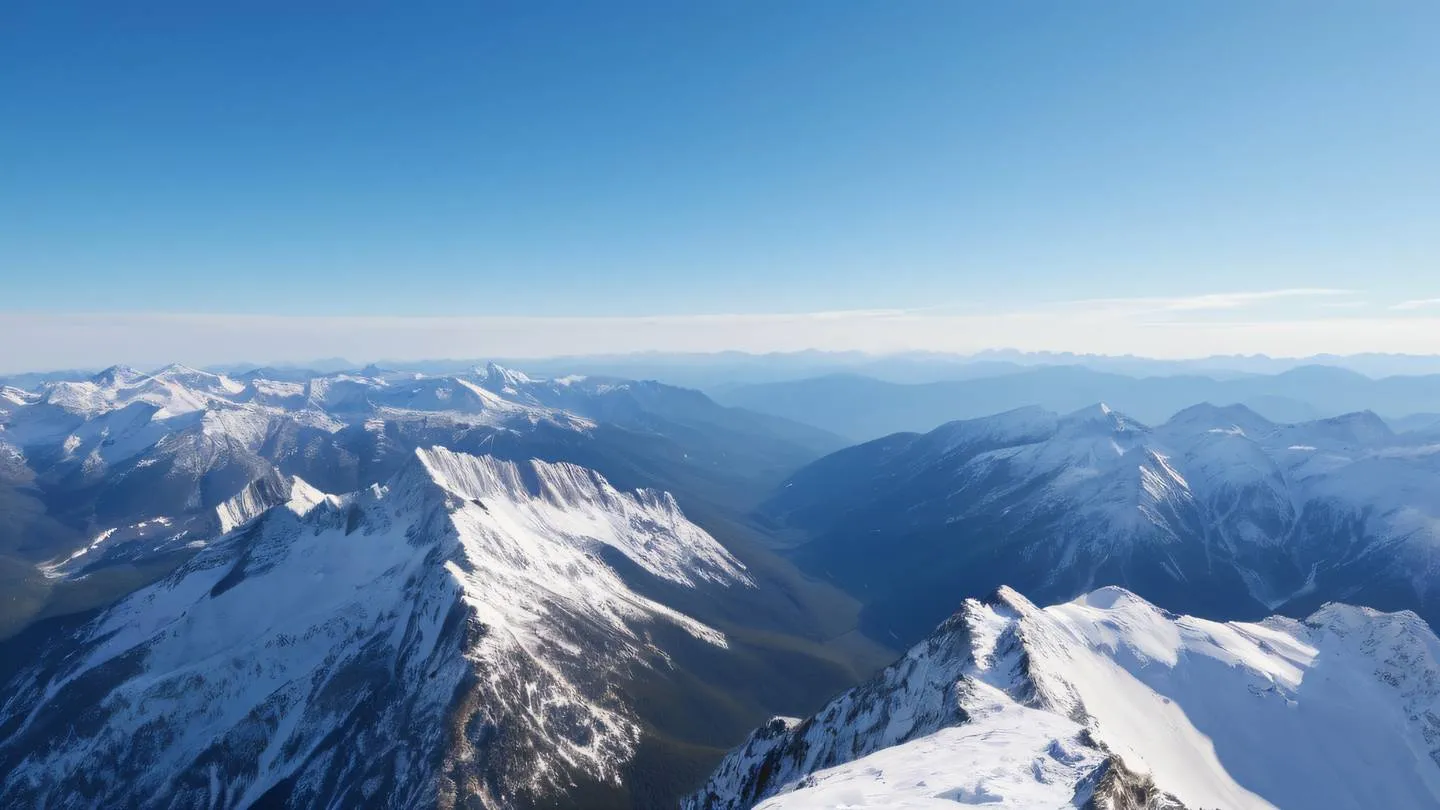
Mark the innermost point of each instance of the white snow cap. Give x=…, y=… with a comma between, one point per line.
x=1015, y=706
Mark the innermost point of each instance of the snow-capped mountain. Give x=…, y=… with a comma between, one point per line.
x=173, y=390
x=511, y=620
x=1110, y=702
x=452, y=637
x=1218, y=511
x=126, y=467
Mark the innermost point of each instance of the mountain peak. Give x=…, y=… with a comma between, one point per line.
x=496, y=374
x=194, y=379
x=1343, y=617
x=1098, y=416
x=1011, y=599
x=1208, y=416
x=1108, y=597
x=266, y=492
x=181, y=370
x=1364, y=426
x=117, y=375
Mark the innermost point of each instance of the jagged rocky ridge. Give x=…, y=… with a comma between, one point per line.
x=1217, y=512
x=451, y=638
x=1110, y=702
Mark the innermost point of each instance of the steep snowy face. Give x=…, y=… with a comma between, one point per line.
x=1108, y=701
x=263, y=494
x=451, y=637
x=573, y=502
x=1217, y=511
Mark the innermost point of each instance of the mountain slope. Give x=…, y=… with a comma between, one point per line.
x=1108, y=701
x=1217, y=512
x=450, y=637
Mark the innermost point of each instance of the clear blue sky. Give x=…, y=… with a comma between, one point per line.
x=598, y=158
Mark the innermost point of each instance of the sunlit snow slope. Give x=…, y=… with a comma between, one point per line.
x=1108, y=701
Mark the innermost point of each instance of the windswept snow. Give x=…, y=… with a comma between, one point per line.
x=571, y=501
x=1023, y=707
x=1007, y=757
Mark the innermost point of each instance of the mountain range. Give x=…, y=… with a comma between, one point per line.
x=479, y=589
x=126, y=461
x=1217, y=511
x=389, y=589
x=862, y=408
x=707, y=369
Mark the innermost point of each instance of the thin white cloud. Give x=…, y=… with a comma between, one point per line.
x=1118, y=326
x=1208, y=301
x=1419, y=303
x=1241, y=299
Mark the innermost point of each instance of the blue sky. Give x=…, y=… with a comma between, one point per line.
x=939, y=162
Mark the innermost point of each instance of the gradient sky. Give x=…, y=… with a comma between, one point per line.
x=523, y=178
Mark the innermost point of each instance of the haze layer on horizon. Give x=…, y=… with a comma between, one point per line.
x=1162, y=329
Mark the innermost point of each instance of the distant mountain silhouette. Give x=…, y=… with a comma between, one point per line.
x=863, y=408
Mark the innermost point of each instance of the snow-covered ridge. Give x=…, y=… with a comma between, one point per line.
x=177, y=390
x=453, y=629
x=1022, y=707
x=647, y=526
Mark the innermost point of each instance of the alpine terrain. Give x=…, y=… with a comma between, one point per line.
x=1110, y=702
x=1217, y=512
x=118, y=477
x=382, y=589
